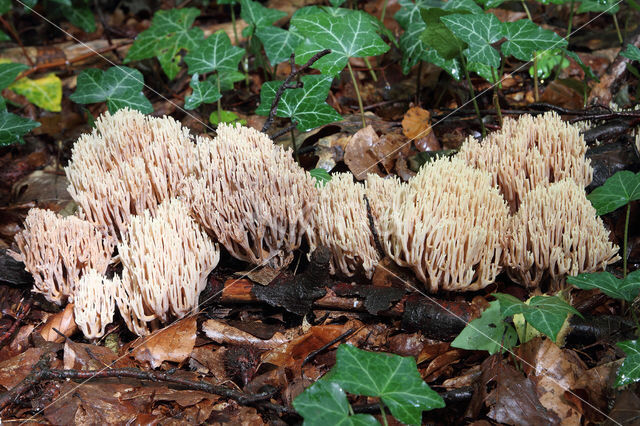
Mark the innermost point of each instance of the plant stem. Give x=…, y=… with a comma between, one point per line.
x=355, y=85
x=219, y=102
x=496, y=100
x=384, y=414
x=473, y=95
x=526, y=9
x=615, y=22
x=570, y=24
x=419, y=83
x=536, y=91
x=293, y=144
x=624, y=242
x=233, y=24
x=371, y=70
x=384, y=10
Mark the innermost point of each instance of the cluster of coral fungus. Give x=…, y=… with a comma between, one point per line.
x=156, y=202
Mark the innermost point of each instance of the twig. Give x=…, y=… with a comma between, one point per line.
x=286, y=85
x=23, y=311
x=313, y=354
x=41, y=372
x=281, y=132
x=13, y=32
x=372, y=227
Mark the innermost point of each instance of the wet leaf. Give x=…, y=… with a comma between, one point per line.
x=278, y=44
x=624, y=289
x=170, y=32
x=489, y=332
x=524, y=38
x=350, y=36
x=45, y=92
x=479, y=32
x=392, y=378
x=619, y=190
x=203, y=92
x=629, y=371
x=306, y=106
x=325, y=403
x=321, y=176
x=172, y=343
x=80, y=16
x=119, y=86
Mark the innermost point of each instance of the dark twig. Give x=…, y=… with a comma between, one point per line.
x=41, y=372
x=372, y=227
x=286, y=85
x=13, y=32
x=281, y=132
x=326, y=346
x=23, y=311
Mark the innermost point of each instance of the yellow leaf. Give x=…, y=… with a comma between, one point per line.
x=44, y=92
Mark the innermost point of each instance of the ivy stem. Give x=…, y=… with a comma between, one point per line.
x=536, y=91
x=219, y=102
x=371, y=70
x=355, y=85
x=624, y=242
x=233, y=24
x=570, y=24
x=419, y=83
x=384, y=10
x=384, y=414
x=293, y=144
x=496, y=100
x=526, y=9
x=473, y=95
x=615, y=22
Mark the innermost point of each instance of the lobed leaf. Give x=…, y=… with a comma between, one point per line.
x=524, y=38
x=624, y=289
x=13, y=127
x=632, y=52
x=479, y=32
x=202, y=92
x=487, y=333
x=45, y=92
x=629, y=371
x=258, y=16
x=9, y=71
x=619, y=190
x=216, y=53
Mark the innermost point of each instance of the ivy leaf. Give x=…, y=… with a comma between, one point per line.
x=80, y=16
x=619, y=190
x=438, y=37
x=5, y=6
x=608, y=6
x=45, y=92
x=227, y=79
x=325, y=403
x=13, y=127
x=119, y=86
x=4, y=36
x=278, y=44
x=509, y=305
x=479, y=32
x=629, y=371
x=258, y=16
x=469, y=6
x=409, y=12
x=169, y=33
x=336, y=3
x=392, y=378
x=216, y=53
x=321, y=176
x=203, y=92
x=624, y=289
x=547, y=314
x=306, y=106
x=8, y=73
x=487, y=333
x=587, y=69
x=349, y=36
x=524, y=38
x=632, y=52
x=226, y=117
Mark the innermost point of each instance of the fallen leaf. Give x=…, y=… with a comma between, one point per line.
x=173, y=343
x=14, y=370
x=220, y=332
x=63, y=321
x=366, y=152
x=416, y=123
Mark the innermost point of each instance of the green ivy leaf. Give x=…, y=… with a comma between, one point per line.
x=629, y=371
x=624, y=289
x=278, y=44
x=226, y=117
x=119, y=86
x=469, y=6
x=321, y=176
x=216, y=53
x=479, y=32
x=169, y=33
x=510, y=305
x=80, y=16
x=524, y=38
x=325, y=403
x=409, y=12
x=608, y=6
x=487, y=333
x=45, y=92
x=336, y=3
x=632, y=52
x=227, y=79
x=202, y=92
x=5, y=6
x=306, y=106
x=438, y=37
x=349, y=36
x=9, y=71
x=258, y=16
x=4, y=36
x=587, y=69
x=13, y=127
x=619, y=190
x=392, y=378
x=547, y=314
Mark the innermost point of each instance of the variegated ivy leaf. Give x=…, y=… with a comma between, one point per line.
x=79, y=15
x=8, y=73
x=349, y=36
x=307, y=106
x=202, y=92
x=216, y=53
x=119, y=86
x=466, y=5
x=13, y=127
x=524, y=38
x=409, y=12
x=278, y=44
x=479, y=32
x=258, y=16
x=45, y=92
x=607, y=6
x=632, y=52
x=4, y=36
x=170, y=32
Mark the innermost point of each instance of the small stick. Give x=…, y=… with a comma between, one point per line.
x=286, y=85
x=5, y=336
x=326, y=346
x=372, y=227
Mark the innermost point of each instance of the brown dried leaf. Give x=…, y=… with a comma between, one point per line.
x=416, y=123
x=223, y=333
x=14, y=370
x=173, y=343
x=63, y=321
